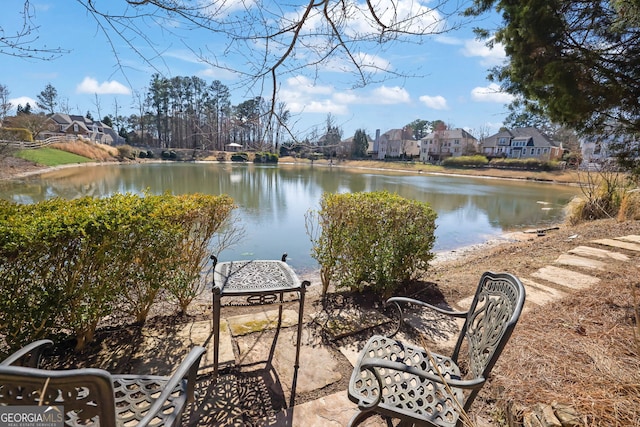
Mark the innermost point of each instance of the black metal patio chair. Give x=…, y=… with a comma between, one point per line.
x=92, y=397
x=405, y=382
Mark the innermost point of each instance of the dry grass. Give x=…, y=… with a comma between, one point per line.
x=580, y=351
x=90, y=150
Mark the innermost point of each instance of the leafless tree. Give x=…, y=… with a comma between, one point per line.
x=5, y=105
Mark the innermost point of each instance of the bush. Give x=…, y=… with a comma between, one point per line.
x=239, y=157
x=265, y=157
x=377, y=239
x=465, y=161
x=525, y=164
x=169, y=155
x=126, y=152
x=65, y=265
x=16, y=134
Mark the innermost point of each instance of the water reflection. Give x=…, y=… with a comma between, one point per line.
x=273, y=200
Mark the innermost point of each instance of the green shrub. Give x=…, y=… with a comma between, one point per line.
x=65, y=265
x=465, y=161
x=200, y=217
x=377, y=239
x=169, y=155
x=525, y=164
x=16, y=134
x=265, y=157
x=239, y=157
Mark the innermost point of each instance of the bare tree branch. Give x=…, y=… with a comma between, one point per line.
x=24, y=43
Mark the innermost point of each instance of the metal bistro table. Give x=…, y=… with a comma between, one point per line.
x=261, y=282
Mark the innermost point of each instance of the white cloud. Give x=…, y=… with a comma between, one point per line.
x=491, y=93
x=390, y=95
x=404, y=15
x=326, y=106
x=302, y=94
x=23, y=100
x=112, y=87
x=372, y=62
x=435, y=102
x=307, y=86
x=490, y=56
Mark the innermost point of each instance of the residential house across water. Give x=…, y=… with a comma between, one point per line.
x=521, y=143
x=440, y=144
x=74, y=126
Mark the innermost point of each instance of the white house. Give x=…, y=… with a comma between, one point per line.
x=441, y=144
x=396, y=143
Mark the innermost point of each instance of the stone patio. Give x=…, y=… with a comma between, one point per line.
x=258, y=384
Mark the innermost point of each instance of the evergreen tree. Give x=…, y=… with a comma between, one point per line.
x=360, y=143
x=48, y=99
x=576, y=62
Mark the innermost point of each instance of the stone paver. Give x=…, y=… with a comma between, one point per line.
x=334, y=410
x=318, y=366
x=348, y=321
x=630, y=238
x=176, y=341
x=579, y=261
x=588, y=251
x=540, y=294
x=564, y=277
x=617, y=243
x=260, y=321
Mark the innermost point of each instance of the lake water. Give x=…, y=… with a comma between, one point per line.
x=273, y=200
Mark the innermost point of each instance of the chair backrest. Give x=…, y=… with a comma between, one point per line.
x=493, y=315
x=86, y=394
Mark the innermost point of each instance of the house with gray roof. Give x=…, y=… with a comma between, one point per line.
x=76, y=126
x=440, y=144
x=521, y=143
x=397, y=143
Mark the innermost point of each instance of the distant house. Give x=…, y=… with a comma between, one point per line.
x=233, y=147
x=601, y=148
x=346, y=146
x=76, y=126
x=397, y=143
x=439, y=145
x=521, y=143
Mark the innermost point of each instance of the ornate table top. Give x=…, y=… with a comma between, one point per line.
x=252, y=277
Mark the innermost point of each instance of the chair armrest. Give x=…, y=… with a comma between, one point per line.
x=370, y=364
x=187, y=369
x=35, y=349
x=398, y=300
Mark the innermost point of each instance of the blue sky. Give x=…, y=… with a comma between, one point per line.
x=444, y=76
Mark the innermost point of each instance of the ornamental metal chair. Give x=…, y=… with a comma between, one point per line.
x=405, y=382
x=94, y=397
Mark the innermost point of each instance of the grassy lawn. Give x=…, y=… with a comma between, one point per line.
x=51, y=157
